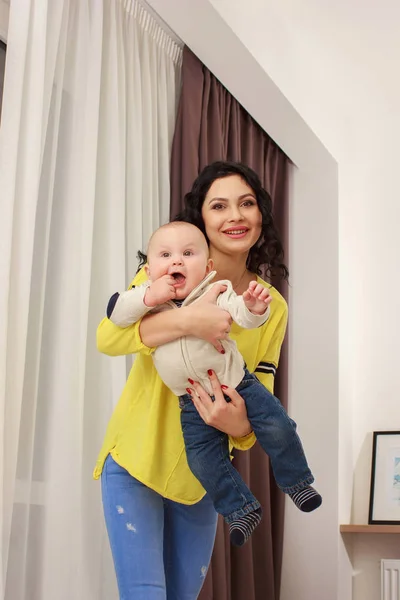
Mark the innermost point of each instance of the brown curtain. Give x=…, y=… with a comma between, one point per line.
x=212, y=125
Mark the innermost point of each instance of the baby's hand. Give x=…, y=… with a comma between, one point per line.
x=160, y=291
x=257, y=298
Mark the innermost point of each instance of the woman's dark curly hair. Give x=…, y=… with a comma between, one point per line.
x=267, y=254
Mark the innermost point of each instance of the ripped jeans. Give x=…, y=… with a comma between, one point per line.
x=161, y=549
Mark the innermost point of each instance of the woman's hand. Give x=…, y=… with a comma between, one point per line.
x=205, y=320
x=229, y=417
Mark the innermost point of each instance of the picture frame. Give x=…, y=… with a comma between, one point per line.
x=384, y=501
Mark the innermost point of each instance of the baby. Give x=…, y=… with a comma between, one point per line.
x=179, y=271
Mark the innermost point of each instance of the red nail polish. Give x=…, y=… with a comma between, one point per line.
x=189, y=391
x=222, y=351
x=224, y=387
x=191, y=381
x=209, y=372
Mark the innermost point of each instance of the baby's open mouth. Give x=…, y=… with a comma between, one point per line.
x=179, y=278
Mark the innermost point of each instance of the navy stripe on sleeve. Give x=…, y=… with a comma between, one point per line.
x=265, y=367
x=111, y=304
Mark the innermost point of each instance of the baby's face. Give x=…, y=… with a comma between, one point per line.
x=180, y=251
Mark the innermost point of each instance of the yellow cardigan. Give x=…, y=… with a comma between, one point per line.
x=144, y=433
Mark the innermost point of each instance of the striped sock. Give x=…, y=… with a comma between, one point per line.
x=306, y=499
x=241, y=529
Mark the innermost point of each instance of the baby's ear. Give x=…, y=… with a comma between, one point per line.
x=147, y=270
x=210, y=266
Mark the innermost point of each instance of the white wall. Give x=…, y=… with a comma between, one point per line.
x=4, y=12
x=337, y=63
x=314, y=278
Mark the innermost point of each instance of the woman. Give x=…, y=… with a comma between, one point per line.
x=160, y=523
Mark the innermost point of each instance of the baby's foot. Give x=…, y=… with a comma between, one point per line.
x=241, y=529
x=307, y=499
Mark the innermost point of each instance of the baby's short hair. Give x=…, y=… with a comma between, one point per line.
x=177, y=224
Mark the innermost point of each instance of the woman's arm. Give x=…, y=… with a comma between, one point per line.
x=117, y=341
x=229, y=417
x=275, y=329
x=204, y=320
x=163, y=327
x=274, y=335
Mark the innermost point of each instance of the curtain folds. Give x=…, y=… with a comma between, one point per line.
x=88, y=115
x=212, y=125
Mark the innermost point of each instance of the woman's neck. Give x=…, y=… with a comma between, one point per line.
x=229, y=267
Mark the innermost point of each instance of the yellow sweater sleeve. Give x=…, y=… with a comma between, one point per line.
x=274, y=333
x=118, y=341
x=243, y=443
x=267, y=366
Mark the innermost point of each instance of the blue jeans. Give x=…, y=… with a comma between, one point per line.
x=161, y=549
x=207, y=450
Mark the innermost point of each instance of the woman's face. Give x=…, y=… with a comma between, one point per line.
x=231, y=215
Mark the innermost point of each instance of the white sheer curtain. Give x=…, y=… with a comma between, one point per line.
x=88, y=115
